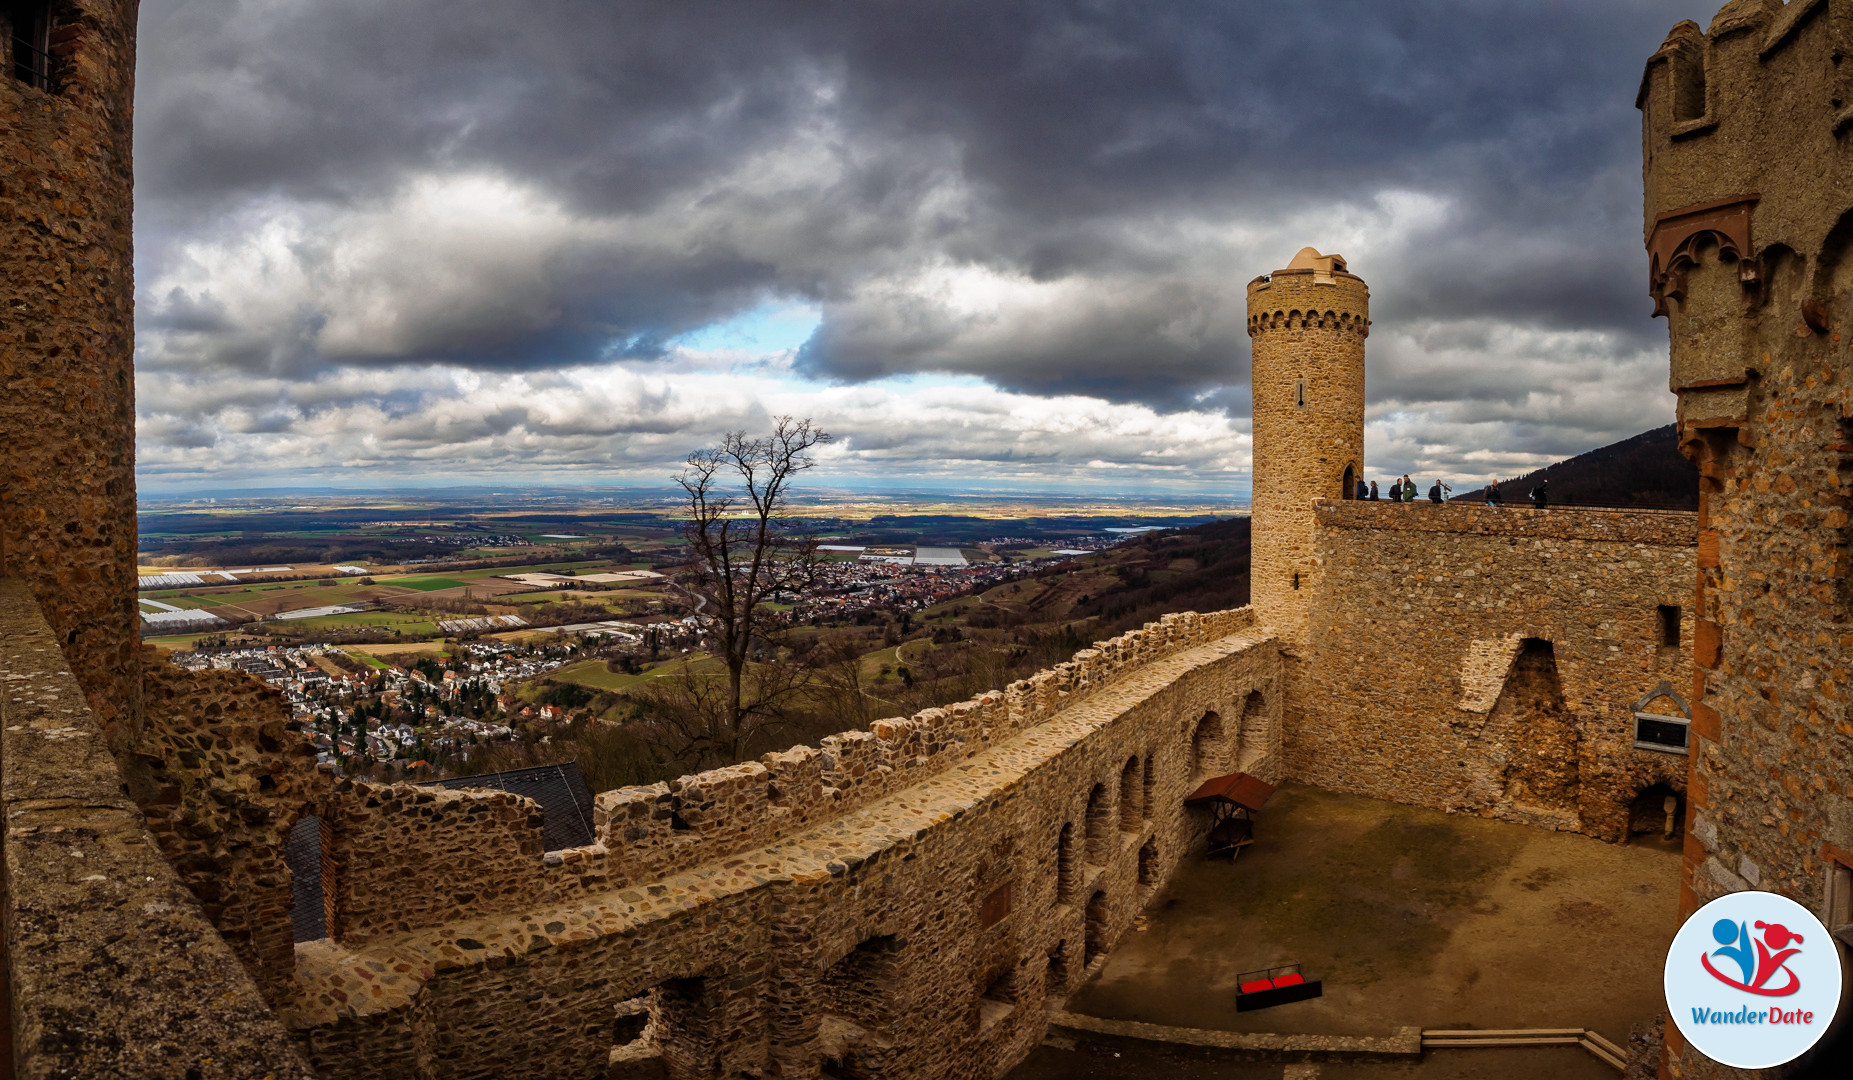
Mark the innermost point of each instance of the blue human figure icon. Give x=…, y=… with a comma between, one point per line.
x=1729, y=934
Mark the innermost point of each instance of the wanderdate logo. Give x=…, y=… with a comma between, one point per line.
x=1752, y=980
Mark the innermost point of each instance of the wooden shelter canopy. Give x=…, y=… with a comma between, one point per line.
x=1240, y=789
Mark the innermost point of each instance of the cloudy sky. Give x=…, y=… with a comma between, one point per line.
x=987, y=245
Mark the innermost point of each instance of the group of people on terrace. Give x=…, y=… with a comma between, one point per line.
x=1403, y=489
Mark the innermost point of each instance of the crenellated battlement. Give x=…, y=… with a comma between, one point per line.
x=1342, y=321
x=402, y=848
x=1746, y=127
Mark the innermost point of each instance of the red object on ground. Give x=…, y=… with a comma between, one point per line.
x=1291, y=978
x=1258, y=984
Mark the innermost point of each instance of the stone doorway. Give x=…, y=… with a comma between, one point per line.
x=1648, y=821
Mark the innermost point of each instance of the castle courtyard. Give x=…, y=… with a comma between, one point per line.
x=1412, y=917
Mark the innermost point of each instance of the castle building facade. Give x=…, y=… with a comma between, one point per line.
x=1747, y=135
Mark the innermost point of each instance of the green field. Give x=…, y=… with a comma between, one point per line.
x=409, y=625
x=428, y=583
x=592, y=673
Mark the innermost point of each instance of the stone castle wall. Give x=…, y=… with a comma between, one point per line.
x=897, y=902
x=67, y=394
x=221, y=775
x=113, y=968
x=1748, y=217
x=1419, y=685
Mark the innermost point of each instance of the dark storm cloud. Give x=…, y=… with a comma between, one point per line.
x=1060, y=198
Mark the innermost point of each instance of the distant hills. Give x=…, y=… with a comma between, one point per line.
x=1646, y=471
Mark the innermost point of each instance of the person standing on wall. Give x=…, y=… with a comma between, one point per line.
x=1373, y=491
x=1434, y=493
x=1396, y=490
x=1408, y=489
x=1363, y=491
x=1493, y=498
x=1541, y=495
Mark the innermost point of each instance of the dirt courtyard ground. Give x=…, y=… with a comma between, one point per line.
x=1411, y=917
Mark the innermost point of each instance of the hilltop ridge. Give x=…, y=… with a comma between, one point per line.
x=1645, y=470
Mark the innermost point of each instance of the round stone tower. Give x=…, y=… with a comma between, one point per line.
x=67, y=381
x=1308, y=323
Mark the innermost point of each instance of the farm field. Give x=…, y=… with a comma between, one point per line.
x=592, y=673
x=410, y=625
x=426, y=584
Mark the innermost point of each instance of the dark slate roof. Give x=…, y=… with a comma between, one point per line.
x=565, y=800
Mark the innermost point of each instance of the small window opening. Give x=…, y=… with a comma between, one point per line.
x=1347, y=487
x=1296, y=579
x=1148, y=863
x=1688, y=77
x=1669, y=734
x=30, y=30
x=1669, y=626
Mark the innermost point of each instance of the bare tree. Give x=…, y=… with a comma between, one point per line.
x=745, y=552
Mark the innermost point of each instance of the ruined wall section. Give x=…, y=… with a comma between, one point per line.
x=221, y=777
x=1748, y=142
x=114, y=969
x=67, y=394
x=1421, y=686
x=914, y=926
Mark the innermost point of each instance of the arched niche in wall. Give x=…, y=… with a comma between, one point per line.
x=1252, y=737
x=1129, y=795
x=1206, y=745
x=1099, y=824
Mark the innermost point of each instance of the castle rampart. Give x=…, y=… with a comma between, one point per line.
x=1491, y=661
x=1748, y=215
x=114, y=969
x=989, y=872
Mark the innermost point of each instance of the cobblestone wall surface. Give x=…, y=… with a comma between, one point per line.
x=114, y=970
x=1749, y=209
x=1419, y=683
x=67, y=395
x=898, y=902
x=222, y=778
